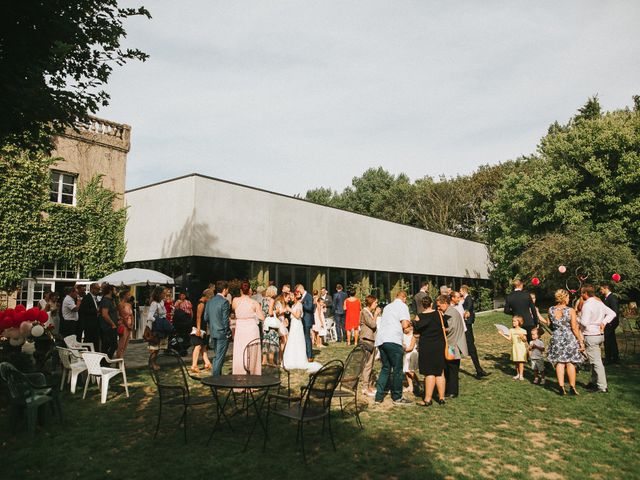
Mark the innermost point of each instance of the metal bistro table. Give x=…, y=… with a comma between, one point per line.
x=247, y=383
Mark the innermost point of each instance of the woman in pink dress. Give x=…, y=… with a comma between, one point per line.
x=248, y=313
x=125, y=322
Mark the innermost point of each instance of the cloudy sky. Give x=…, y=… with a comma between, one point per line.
x=289, y=96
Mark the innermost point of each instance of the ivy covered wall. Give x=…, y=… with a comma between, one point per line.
x=34, y=230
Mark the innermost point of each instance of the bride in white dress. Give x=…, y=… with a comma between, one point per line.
x=295, y=353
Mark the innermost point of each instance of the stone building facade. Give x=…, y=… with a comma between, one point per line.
x=98, y=147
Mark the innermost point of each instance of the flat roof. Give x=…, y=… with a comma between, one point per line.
x=292, y=197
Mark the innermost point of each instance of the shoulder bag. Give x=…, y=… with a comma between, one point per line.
x=449, y=352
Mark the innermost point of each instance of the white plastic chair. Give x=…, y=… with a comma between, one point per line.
x=73, y=343
x=330, y=325
x=72, y=367
x=103, y=374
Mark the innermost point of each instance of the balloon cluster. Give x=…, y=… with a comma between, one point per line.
x=19, y=323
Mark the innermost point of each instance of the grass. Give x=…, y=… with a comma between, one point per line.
x=497, y=428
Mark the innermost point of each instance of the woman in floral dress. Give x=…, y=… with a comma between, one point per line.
x=566, y=341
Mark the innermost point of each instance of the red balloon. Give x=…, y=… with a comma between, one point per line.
x=43, y=317
x=20, y=308
x=31, y=315
x=616, y=277
x=535, y=281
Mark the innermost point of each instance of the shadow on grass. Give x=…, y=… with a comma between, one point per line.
x=118, y=438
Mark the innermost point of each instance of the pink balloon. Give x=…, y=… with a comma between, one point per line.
x=562, y=269
x=616, y=277
x=25, y=328
x=535, y=281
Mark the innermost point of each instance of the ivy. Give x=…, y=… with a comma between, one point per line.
x=34, y=230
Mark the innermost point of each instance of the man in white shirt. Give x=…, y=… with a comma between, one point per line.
x=395, y=319
x=70, y=306
x=593, y=318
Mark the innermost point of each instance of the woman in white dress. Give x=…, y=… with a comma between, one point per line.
x=295, y=354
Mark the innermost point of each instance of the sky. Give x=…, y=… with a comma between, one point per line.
x=294, y=95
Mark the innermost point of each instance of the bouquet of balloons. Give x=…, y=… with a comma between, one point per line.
x=19, y=324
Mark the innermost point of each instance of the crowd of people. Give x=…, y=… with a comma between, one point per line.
x=101, y=316
x=577, y=333
x=430, y=342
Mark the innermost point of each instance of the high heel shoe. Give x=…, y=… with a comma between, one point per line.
x=562, y=391
x=573, y=391
x=441, y=401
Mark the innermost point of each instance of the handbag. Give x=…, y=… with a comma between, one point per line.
x=149, y=336
x=449, y=352
x=161, y=325
x=120, y=330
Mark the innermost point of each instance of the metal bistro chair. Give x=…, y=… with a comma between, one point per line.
x=171, y=380
x=629, y=334
x=28, y=391
x=348, y=386
x=314, y=403
x=273, y=365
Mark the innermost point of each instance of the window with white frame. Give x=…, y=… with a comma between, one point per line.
x=63, y=188
x=58, y=270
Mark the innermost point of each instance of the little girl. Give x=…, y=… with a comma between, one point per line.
x=410, y=360
x=536, y=349
x=518, y=337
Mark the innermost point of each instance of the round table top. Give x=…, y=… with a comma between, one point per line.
x=241, y=381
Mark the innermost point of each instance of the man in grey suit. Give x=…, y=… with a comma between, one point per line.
x=417, y=298
x=216, y=312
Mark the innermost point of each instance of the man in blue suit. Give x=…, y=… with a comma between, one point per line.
x=307, y=318
x=338, y=312
x=216, y=312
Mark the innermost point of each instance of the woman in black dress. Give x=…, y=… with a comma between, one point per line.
x=431, y=361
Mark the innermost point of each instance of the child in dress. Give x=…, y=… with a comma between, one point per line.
x=518, y=338
x=536, y=349
x=410, y=361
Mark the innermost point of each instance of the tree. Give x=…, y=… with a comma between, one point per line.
x=55, y=58
x=321, y=196
x=376, y=193
x=585, y=175
x=598, y=254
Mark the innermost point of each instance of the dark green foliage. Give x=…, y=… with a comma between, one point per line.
x=584, y=183
x=34, y=230
x=55, y=58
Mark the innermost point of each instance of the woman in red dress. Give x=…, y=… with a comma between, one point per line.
x=352, y=319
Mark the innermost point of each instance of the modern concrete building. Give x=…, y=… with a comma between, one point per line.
x=98, y=147
x=201, y=229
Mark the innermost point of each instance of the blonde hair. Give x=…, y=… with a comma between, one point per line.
x=519, y=319
x=271, y=291
x=562, y=296
x=208, y=293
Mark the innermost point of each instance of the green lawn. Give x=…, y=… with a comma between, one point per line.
x=497, y=428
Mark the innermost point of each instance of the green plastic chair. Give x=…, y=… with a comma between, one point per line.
x=28, y=392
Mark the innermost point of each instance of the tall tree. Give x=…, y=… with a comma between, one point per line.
x=55, y=58
x=586, y=175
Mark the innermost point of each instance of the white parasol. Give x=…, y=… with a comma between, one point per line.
x=137, y=276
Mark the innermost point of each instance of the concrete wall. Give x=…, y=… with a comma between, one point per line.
x=224, y=220
x=100, y=147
